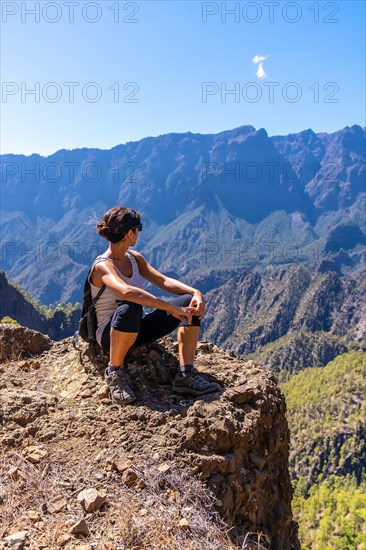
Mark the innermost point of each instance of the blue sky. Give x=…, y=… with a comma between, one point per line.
x=174, y=54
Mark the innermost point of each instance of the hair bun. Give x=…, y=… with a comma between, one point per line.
x=116, y=221
x=102, y=228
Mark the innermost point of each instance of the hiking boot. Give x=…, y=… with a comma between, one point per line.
x=118, y=386
x=194, y=384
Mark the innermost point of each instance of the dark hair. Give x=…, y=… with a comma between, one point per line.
x=117, y=222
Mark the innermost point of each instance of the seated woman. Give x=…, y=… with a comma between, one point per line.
x=120, y=318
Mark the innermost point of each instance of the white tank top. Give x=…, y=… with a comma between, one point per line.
x=107, y=302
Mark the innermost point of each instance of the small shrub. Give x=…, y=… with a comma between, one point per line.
x=9, y=320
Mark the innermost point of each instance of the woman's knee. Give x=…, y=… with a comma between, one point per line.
x=127, y=317
x=183, y=300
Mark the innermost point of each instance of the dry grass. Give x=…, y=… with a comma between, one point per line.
x=141, y=517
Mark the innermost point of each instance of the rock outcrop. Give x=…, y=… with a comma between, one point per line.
x=55, y=407
x=21, y=342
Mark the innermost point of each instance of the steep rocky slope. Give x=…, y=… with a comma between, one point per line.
x=251, y=309
x=14, y=305
x=56, y=414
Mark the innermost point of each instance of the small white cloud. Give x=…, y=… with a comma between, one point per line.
x=259, y=59
x=260, y=71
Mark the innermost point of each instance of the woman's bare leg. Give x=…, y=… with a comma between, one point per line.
x=120, y=344
x=187, y=341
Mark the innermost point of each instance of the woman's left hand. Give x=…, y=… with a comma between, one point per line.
x=198, y=304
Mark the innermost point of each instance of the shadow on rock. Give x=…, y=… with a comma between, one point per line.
x=151, y=369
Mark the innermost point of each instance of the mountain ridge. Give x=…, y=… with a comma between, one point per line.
x=236, y=190
x=188, y=134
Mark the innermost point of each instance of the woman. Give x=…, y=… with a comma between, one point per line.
x=120, y=314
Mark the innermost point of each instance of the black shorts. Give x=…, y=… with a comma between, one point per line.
x=128, y=317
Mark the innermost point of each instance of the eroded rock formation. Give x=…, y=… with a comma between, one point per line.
x=235, y=441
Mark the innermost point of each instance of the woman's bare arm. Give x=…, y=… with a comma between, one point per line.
x=159, y=279
x=112, y=280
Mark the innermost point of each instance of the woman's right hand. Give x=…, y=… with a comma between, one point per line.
x=181, y=313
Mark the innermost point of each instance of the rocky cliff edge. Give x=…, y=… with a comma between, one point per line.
x=60, y=427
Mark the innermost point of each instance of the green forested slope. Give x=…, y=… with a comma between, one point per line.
x=326, y=415
x=297, y=351
x=333, y=517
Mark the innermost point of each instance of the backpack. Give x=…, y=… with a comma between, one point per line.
x=88, y=321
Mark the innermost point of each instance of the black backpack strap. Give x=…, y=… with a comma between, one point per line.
x=102, y=288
